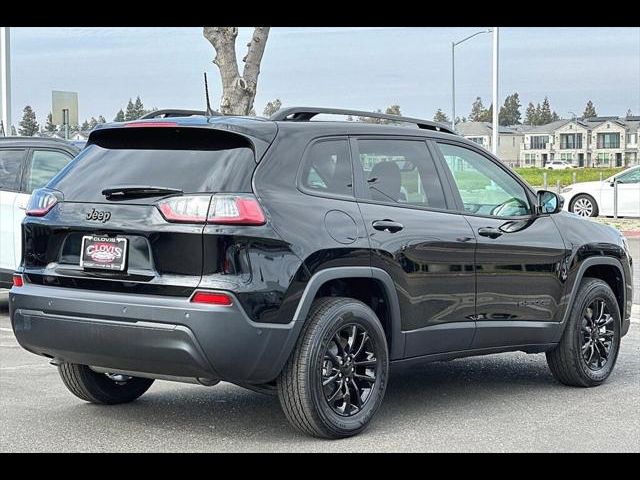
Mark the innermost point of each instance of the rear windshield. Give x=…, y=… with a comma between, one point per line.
x=194, y=161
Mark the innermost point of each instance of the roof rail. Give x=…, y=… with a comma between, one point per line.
x=171, y=112
x=304, y=114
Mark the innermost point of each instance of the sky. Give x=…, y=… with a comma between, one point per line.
x=362, y=68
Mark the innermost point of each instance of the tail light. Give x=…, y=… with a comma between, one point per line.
x=224, y=209
x=17, y=280
x=42, y=201
x=185, y=209
x=212, y=298
x=235, y=210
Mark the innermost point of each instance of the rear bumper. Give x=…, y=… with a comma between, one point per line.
x=143, y=333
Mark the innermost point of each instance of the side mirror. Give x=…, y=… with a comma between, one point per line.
x=549, y=202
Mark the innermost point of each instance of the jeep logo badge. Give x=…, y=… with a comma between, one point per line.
x=98, y=215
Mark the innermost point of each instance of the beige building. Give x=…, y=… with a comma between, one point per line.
x=592, y=142
x=509, y=139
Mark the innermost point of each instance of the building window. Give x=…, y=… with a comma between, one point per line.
x=478, y=140
x=632, y=138
x=566, y=157
x=609, y=140
x=602, y=158
x=529, y=158
x=539, y=142
x=570, y=141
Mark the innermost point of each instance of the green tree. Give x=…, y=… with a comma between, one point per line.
x=546, y=116
x=510, y=112
x=138, y=108
x=272, y=107
x=629, y=113
x=49, y=126
x=391, y=110
x=440, y=116
x=130, y=112
x=589, y=110
x=487, y=114
x=28, y=124
x=530, y=115
x=101, y=119
x=13, y=131
x=92, y=123
x=477, y=110
x=119, y=116
x=85, y=126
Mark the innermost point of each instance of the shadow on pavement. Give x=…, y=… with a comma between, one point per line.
x=431, y=390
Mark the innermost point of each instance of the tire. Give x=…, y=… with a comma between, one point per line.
x=96, y=387
x=584, y=205
x=305, y=400
x=567, y=361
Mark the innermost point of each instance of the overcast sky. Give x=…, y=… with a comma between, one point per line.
x=361, y=68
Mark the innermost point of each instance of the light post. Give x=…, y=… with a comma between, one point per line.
x=453, y=74
x=495, y=92
x=5, y=79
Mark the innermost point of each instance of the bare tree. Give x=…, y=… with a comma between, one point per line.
x=272, y=107
x=238, y=91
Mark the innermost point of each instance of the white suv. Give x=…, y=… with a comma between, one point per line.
x=26, y=163
x=558, y=165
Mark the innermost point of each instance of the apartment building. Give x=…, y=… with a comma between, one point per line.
x=591, y=142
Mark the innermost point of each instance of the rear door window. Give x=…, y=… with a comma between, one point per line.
x=194, y=162
x=11, y=163
x=44, y=165
x=401, y=172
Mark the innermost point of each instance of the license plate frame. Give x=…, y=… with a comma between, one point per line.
x=110, y=253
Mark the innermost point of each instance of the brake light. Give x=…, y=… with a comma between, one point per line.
x=41, y=202
x=185, y=209
x=17, y=280
x=212, y=298
x=151, y=124
x=235, y=210
x=223, y=209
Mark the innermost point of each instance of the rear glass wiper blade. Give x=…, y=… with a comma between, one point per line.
x=138, y=191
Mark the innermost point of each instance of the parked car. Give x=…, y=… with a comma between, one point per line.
x=26, y=163
x=303, y=258
x=590, y=199
x=558, y=165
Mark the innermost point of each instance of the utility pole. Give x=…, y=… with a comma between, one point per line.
x=495, y=91
x=5, y=79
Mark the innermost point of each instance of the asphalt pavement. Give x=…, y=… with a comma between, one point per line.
x=495, y=403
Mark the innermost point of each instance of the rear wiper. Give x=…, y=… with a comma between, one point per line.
x=126, y=191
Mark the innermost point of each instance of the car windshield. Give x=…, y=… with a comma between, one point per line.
x=618, y=175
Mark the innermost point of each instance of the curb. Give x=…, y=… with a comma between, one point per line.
x=631, y=233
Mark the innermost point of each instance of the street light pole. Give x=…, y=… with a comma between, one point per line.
x=453, y=74
x=453, y=86
x=5, y=79
x=495, y=91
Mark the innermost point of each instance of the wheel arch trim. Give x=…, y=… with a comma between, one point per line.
x=396, y=347
x=590, y=262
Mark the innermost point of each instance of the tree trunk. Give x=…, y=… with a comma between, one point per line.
x=238, y=92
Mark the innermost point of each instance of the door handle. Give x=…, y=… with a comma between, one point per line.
x=387, y=226
x=489, y=232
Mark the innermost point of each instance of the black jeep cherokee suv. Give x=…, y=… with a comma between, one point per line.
x=304, y=258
